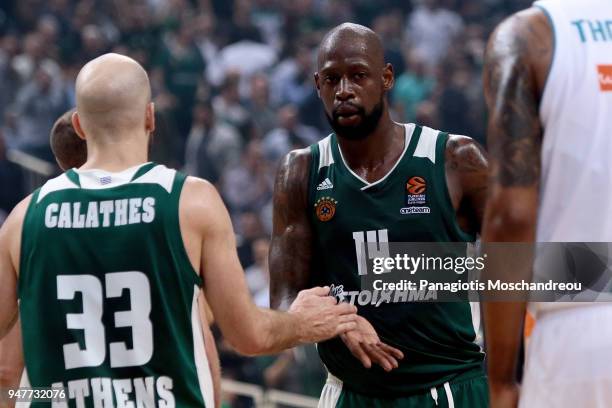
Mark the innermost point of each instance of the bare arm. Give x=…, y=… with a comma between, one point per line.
x=11, y=359
x=291, y=245
x=251, y=330
x=467, y=171
x=517, y=60
x=10, y=247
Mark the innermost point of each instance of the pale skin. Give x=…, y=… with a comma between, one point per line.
x=116, y=118
x=64, y=138
x=351, y=71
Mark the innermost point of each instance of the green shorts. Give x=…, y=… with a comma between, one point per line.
x=471, y=393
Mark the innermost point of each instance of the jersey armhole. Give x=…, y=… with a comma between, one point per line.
x=312, y=173
x=447, y=202
x=24, y=246
x=174, y=224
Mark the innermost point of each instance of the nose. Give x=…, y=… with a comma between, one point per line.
x=344, y=90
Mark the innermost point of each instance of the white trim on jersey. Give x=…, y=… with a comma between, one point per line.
x=426, y=147
x=199, y=354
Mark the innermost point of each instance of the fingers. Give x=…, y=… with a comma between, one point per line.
x=357, y=351
x=387, y=362
x=391, y=351
x=345, y=327
x=316, y=291
x=344, y=308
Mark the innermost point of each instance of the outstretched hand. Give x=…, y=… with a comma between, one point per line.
x=366, y=346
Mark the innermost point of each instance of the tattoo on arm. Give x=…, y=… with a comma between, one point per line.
x=467, y=166
x=291, y=246
x=512, y=82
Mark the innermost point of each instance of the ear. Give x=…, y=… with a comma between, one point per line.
x=316, y=80
x=150, y=118
x=388, y=77
x=76, y=124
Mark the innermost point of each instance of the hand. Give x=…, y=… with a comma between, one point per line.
x=320, y=316
x=365, y=345
x=504, y=395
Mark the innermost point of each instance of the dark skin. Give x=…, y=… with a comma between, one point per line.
x=352, y=71
x=517, y=61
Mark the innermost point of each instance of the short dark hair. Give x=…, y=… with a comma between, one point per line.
x=68, y=148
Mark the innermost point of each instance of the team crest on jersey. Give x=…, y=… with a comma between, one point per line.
x=325, y=208
x=416, y=196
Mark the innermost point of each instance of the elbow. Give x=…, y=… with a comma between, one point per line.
x=509, y=222
x=251, y=342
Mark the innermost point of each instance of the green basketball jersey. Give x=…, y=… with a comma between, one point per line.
x=410, y=204
x=108, y=297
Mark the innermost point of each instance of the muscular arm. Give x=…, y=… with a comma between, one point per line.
x=247, y=328
x=517, y=59
x=467, y=172
x=291, y=246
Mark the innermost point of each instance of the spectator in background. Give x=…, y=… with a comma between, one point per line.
x=430, y=29
x=38, y=104
x=182, y=69
x=228, y=107
x=264, y=117
x=290, y=134
x=411, y=88
x=212, y=146
x=33, y=55
x=248, y=185
x=248, y=229
x=257, y=275
x=9, y=77
x=11, y=181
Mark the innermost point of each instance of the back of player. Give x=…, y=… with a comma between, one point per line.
x=576, y=112
x=575, y=202
x=107, y=292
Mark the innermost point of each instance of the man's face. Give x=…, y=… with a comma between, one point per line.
x=352, y=87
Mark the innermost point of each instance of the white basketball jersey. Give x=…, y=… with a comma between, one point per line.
x=576, y=113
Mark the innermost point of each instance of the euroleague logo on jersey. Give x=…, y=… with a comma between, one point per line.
x=325, y=208
x=416, y=196
x=416, y=185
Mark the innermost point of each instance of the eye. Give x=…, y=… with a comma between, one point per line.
x=360, y=75
x=331, y=79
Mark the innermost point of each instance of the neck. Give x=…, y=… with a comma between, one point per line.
x=116, y=156
x=376, y=147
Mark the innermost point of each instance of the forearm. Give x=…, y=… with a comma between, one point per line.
x=276, y=331
x=11, y=359
x=508, y=242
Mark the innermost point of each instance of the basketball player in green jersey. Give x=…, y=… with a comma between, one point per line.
x=374, y=180
x=70, y=151
x=111, y=259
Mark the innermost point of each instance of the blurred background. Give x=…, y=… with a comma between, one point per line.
x=233, y=86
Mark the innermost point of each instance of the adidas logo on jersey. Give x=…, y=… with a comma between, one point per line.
x=325, y=185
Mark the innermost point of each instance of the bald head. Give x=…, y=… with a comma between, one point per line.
x=113, y=95
x=352, y=38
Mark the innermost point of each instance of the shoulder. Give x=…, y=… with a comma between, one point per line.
x=294, y=167
x=200, y=203
x=10, y=233
x=524, y=36
x=464, y=153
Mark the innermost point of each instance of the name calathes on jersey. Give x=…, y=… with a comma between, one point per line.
x=100, y=392
x=96, y=214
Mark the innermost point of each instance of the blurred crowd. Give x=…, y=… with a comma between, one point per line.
x=233, y=88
